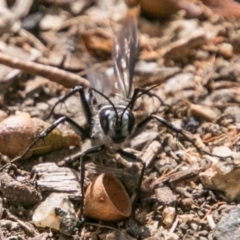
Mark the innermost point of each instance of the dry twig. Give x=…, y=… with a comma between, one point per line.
x=54, y=74
x=211, y=209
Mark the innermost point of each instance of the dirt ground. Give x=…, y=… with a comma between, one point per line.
x=193, y=62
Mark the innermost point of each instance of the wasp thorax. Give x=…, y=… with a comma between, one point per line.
x=117, y=123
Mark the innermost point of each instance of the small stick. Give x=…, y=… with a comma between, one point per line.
x=54, y=74
x=211, y=209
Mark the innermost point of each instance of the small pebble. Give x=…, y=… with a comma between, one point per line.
x=42, y=106
x=194, y=226
x=226, y=50
x=54, y=212
x=168, y=216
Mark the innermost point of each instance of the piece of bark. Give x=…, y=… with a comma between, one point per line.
x=18, y=193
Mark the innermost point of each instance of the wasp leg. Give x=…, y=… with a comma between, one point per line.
x=133, y=158
x=86, y=108
x=76, y=127
x=167, y=124
x=88, y=153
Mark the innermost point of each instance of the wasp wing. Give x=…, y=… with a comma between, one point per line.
x=124, y=54
x=117, y=86
x=101, y=81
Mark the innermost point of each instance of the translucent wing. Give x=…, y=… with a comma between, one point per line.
x=124, y=55
x=102, y=82
x=117, y=86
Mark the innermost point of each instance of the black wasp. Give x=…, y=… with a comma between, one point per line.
x=110, y=114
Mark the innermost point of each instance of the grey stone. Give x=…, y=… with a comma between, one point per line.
x=229, y=226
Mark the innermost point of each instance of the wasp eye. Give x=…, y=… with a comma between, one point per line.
x=131, y=121
x=104, y=121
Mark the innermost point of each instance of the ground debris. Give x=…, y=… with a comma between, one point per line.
x=191, y=61
x=223, y=176
x=52, y=178
x=165, y=196
x=19, y=191
x=228, y=227
x=56, y=212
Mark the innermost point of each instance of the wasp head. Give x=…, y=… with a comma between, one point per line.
x=117, y=123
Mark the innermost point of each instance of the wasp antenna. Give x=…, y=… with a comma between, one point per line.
x=142, y=93
x=114, y=108
x=134, y=98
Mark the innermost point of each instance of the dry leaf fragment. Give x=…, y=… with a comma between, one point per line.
x=18, y=132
